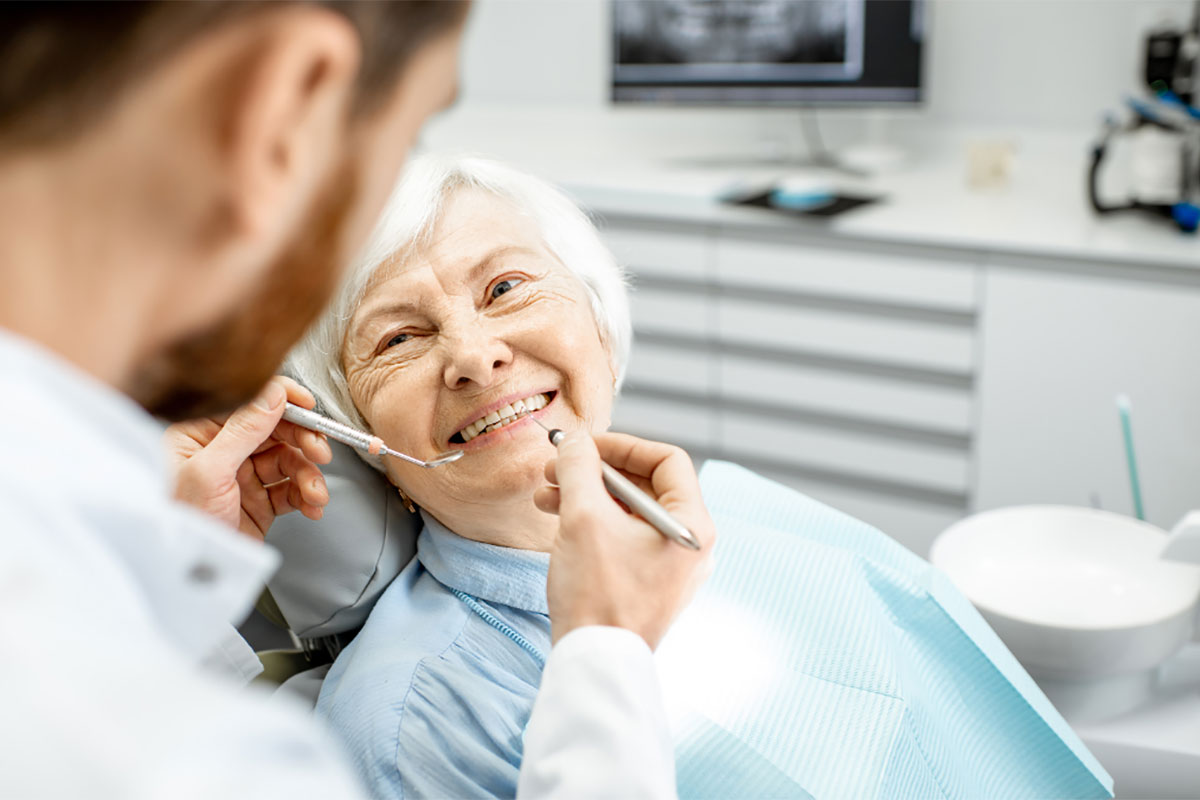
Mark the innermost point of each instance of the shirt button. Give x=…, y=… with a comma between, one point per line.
x=202, y=573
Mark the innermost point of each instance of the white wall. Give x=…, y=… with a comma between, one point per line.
x=1045, y=63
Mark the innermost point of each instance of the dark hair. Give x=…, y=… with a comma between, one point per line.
x=62, y=64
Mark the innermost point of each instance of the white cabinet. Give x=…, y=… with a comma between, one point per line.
x=1056, y=350
x=909, y=387
x=671, y=376
x=845, y=372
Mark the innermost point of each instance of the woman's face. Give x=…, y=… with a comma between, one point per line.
x=483, y=321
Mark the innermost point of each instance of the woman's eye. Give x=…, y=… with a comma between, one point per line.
x=506, y=285
x=399, y=338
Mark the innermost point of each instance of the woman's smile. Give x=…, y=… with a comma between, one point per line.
x=505, y=415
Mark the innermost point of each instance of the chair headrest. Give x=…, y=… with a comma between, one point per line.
x=334, y=570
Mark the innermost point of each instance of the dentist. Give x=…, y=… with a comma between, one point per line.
x=180, y=186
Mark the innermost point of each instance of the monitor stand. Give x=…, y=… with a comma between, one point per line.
x=875, y=153
x=865, y=160
x=821, y=156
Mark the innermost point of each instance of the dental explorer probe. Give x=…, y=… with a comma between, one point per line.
x=638, y=501
x=357, y=439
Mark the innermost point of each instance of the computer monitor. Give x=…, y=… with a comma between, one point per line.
x=767, y=52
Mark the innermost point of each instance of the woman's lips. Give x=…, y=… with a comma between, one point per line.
x=533, y=406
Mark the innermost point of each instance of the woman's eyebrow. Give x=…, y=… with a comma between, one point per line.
x=388, y=309
x=486, y=262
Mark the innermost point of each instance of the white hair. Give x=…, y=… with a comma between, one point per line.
x=405, y=227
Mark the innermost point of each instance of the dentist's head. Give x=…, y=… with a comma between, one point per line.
x=180, y=183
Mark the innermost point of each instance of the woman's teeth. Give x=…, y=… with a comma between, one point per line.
x=503, y=416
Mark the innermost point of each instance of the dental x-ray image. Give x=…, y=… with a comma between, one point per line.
x=738, y=40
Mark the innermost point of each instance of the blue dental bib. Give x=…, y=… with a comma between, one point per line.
x=847, y=667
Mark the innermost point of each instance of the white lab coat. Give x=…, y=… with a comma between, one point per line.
x=120, y=675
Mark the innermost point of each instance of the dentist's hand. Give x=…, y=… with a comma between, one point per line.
x=607, y=566
x=251, y=466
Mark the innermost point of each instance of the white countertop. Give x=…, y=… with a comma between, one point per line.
x=621, y=166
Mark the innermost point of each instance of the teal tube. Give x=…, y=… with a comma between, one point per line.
x=1135, y=484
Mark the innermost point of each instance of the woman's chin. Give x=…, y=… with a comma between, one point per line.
x=501, y=475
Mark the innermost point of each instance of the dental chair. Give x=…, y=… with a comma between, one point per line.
x=333, y=571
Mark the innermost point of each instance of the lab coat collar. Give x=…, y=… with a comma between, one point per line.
x=503, y=575
x=70, y=430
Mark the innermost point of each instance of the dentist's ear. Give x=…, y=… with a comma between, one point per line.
x=284, y=99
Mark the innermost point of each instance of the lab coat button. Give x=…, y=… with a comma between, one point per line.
x=202, y=573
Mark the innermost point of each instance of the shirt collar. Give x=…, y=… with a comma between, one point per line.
x=503, y=575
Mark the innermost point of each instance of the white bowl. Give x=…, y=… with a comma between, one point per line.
x=1077, y=594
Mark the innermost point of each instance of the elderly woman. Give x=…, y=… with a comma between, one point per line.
x=486, y=298
x=463, y=319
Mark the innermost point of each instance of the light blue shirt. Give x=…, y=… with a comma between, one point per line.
x=433, y=695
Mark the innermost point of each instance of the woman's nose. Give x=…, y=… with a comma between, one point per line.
x=475, y=357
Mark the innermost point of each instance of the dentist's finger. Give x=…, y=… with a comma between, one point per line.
x=256, y=502
x=282, y=462
x=551, y=473
x=286, y=498
x=314, y=445
x=670, y=472
x=547, y=499
x=577, y=470
x=246, y=430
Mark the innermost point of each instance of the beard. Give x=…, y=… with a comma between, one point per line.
x=216, y=370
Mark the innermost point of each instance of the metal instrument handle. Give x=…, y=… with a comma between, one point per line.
x=334, y=430
x=647, y=507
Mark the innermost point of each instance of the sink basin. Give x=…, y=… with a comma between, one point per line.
x=1080, y=596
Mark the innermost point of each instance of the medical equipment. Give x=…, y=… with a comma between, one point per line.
x=1170, y=57
x=359, y=440
x=638, y=501
x=1165, y=161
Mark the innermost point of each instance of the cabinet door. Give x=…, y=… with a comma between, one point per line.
x=1056, y=350
x=669, y=385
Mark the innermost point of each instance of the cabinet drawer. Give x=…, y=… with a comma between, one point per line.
x=665, y=311
x=690, y=426
x=867, y=397
x=846, y=453
x=675, y=368
x=848, y=274
x=836, y=334
x=674, y=255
